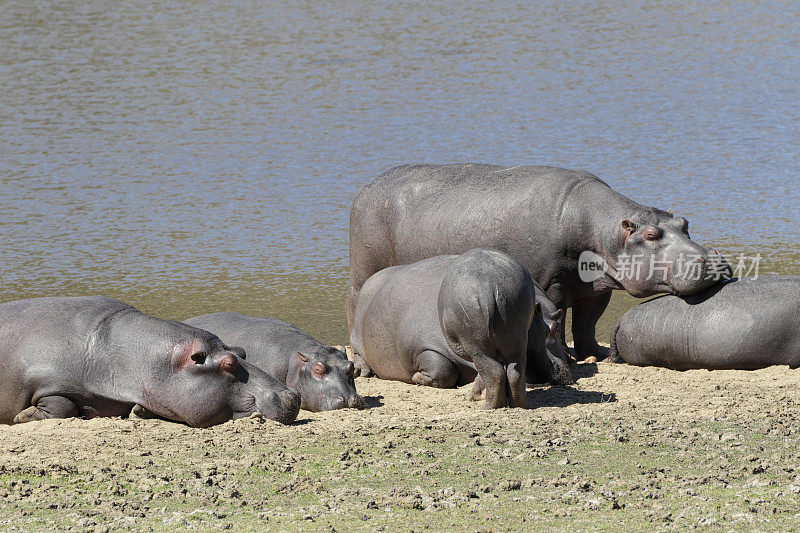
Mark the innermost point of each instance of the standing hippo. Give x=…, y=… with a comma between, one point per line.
x=322, y=375
x=544, y=217
x=94, y=356
x=444, y=320
x=743, y=324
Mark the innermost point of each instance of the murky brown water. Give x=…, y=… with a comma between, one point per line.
x=196, y=157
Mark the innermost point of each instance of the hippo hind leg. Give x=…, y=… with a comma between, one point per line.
x=48, y=407
x=435, y=370
x=504, y=384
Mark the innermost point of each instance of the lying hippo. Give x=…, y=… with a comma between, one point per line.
x=744, y=324
x=94, y=356
x=443, y=320
x=544, y=217
x=322, y=375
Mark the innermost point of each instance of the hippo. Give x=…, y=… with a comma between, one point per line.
x=444, y=320
x=742, y=324
x=93, y=356
x=545, y=218
x=322, y=375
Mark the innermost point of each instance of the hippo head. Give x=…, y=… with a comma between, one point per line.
x=653, y=253
x=325, y=379
x=204, y=382
x=545, y=336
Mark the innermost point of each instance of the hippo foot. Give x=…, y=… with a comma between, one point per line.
x=31, y=414
x=362, y=369
x=598, y=352
x=49, y=407
x=142, y=413
x=478, y=391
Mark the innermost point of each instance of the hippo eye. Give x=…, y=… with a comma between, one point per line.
x=228, y=364
x=319, y=369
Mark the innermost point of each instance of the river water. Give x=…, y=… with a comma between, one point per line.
x=193, y=157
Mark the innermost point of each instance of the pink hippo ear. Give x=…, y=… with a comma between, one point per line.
x=558, y=315
x=303, y=357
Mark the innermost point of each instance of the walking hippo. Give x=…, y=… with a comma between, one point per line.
x=743, y=324
x=322, y=375
x=94, y=356
x=444, y=320
x=544, y=217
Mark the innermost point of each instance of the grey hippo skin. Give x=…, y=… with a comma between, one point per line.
x=322, y=375
x=744, y=324
x=544, y=217
x=94, y=356
x=443, y=320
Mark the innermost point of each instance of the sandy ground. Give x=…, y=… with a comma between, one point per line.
x=626, y=448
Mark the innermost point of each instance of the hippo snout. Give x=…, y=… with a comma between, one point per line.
x=357, y=402
x=339, y=402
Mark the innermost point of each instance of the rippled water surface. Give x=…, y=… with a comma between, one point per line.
x=197, y=157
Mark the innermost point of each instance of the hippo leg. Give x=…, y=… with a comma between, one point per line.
x=494, y=376
x=362, y=369
x=585, y=314
x=435, y=370
x=48, y=407
x=516, y=385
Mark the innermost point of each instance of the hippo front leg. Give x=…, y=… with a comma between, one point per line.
x=585, y=314
x=48, y=407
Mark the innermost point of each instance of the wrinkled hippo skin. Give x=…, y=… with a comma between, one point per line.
x=443, y=320
x=94, y=356
x=742, y=324
x=322, y=375
x=544, y=217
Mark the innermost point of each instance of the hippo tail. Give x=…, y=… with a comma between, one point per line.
x=613, y=353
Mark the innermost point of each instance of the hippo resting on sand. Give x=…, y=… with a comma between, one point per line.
x=322, y=375
x=94, y=356
x=545, y=218
x=446, y=319
x=743, y=324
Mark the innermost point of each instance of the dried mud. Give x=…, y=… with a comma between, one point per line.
x=626, y=448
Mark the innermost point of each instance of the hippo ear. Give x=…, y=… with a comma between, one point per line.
x=558, y=315
x=303, y=357
x=627, y=228
x=199, y=357
x=238, y=352
x=538, y=309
